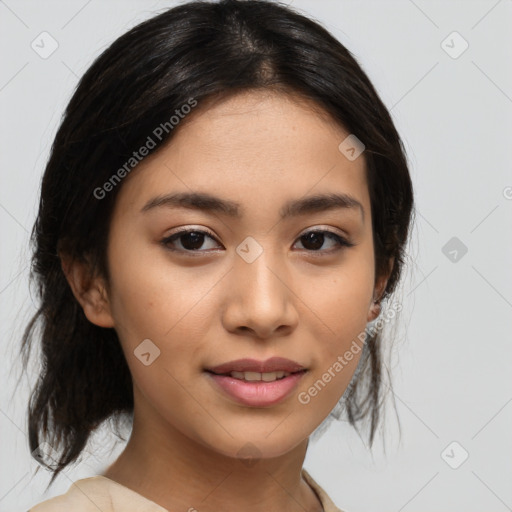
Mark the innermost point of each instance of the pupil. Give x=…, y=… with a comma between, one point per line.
x=317, y=240
x=195, y=237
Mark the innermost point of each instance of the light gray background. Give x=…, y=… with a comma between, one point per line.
x=451, y=371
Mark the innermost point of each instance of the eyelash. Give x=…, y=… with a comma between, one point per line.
x=341, y=241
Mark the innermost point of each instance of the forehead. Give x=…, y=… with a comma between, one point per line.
x=258, y=147
x=256, y=119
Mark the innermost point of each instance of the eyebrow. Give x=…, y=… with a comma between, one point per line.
x=293, y=208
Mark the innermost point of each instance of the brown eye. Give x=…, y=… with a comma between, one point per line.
x=314, y=240
x=191, y=240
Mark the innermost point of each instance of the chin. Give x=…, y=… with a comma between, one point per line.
x=249, y=449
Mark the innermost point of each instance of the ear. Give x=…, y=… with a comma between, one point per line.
x=380, y=286
x=89, y=291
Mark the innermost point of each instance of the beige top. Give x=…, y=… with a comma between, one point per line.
x=99, y=493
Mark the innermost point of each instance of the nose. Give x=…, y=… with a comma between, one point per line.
x=260, y=298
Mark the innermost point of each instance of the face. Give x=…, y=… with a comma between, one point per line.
x=242, y=281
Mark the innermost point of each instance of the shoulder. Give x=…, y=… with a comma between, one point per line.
x=87, y=495
x=98, y=493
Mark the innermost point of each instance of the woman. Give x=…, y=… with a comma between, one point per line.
x=225, y=208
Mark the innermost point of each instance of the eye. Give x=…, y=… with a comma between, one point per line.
x=315, y=239
x=191, y=240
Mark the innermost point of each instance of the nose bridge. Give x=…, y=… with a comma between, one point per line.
x=259, y=297
x=255, y=270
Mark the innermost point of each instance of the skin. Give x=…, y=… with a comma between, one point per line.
x=260, y=149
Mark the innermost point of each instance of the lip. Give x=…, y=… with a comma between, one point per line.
x=256, y=393
x=274, y=364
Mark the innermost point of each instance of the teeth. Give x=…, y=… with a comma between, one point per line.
x=254, y=376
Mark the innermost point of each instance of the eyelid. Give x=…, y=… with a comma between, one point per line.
x=319, y=227
x=326, y=228
x=191, y=227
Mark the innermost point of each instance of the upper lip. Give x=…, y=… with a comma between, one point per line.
x=274, y=364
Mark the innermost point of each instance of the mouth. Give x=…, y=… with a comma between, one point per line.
x=253, y=368
x=257, y=376
x=256, y=383
x=255, y=389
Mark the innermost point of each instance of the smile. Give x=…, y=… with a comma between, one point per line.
x=256, y=376
x=256, y=389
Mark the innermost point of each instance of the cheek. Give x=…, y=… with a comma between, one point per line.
x=150, y=302
x=339, y=345
x=341, y=298
x=153, y=299
x=338, y=318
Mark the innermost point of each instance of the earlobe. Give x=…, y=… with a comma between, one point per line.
x=375, y=307
x=374, y=311
x=89, y=291
x=380, y=287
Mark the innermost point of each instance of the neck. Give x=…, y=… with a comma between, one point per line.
x=178, y=473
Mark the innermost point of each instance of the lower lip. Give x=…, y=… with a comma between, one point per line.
x=257, y=393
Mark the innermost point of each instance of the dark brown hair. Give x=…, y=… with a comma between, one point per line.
x=199, y=50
